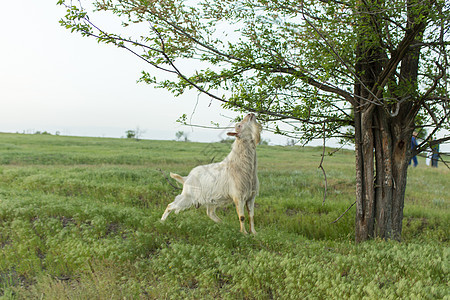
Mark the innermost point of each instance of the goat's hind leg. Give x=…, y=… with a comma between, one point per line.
x=178, y=204
x=250, y=204
x=167, y=211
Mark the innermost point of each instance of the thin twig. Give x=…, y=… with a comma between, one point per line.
x=323, y=170
x=165, y=176
x=343, y=213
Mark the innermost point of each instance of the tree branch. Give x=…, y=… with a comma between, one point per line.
x=415, y=109
x=167, y=179
x=398, y=55
x=333, y=51
x=323, y=170
x=343, y=213
x=429, y=143
x=321, y=86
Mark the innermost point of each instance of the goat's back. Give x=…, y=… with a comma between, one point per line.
x=209, y=183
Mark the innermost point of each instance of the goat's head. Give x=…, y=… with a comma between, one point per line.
x=248, y=129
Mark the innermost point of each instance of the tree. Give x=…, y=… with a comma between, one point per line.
x=134, y=134
x=131, y=134
x=372, y=71
x=182, y=135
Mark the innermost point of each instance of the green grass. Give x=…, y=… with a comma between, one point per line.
x=79, y=219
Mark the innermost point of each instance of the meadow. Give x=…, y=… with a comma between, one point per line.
x=80, y=219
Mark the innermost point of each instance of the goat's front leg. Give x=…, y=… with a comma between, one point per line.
x=240, y=211
x=211, y=212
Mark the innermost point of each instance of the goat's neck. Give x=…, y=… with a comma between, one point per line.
x=243, y=152
x=242, y=166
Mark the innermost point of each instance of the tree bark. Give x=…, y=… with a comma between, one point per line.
x=384, y=178
x=392, y=145
x=381, y=168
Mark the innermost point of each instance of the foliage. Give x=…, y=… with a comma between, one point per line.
x=293, y=62
x=182, y=135
x=131, y=134
x=79, y=218
x=42, y=132
x=134, y=134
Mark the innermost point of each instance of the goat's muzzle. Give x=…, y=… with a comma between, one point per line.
x=250, y=117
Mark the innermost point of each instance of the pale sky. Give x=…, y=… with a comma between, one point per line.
x=54, y=80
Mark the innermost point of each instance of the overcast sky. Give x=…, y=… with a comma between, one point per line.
x=57, y=81
x=54, y=80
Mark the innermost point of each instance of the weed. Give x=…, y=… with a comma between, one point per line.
x=79, y=218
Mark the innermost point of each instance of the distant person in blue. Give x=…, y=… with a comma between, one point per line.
x=413, y=147
x=434, y=155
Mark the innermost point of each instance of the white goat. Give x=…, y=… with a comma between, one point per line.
x=234, y=179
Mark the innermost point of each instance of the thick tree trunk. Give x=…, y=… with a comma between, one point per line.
x=368, y=67
x=382, y=148
x=384, y=180
x=365, y=204
x=392, y=142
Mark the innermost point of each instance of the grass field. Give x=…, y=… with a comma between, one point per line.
x=79, y=219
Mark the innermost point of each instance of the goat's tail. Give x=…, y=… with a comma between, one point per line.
x=178, y=178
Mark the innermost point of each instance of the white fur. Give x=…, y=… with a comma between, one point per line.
x=232, y=180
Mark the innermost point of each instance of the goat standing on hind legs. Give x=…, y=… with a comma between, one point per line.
x=234, y=179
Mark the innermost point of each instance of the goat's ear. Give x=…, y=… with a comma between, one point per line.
x=232, y=133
